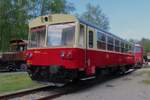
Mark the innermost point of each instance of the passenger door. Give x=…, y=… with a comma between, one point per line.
x=89, y=50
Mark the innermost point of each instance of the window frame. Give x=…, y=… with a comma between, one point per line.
x=109, y=44
x=90, y=29
x=99, y=42
x=61, y=45
x=34, y=31
x=84, y=36
x=117, y=46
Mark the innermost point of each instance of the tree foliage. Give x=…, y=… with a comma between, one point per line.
x=95, y=15
x=13, y=21
x=43, y=7
x=146, y=44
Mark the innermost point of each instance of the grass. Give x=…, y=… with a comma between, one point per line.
x=146, y=82
x=10, y=82
x=146, y=74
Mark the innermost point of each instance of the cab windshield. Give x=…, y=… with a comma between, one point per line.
x=137, y=49
x=61, y=35
x=18, y=48
x=37, y=37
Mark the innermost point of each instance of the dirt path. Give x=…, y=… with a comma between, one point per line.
x=128, y=87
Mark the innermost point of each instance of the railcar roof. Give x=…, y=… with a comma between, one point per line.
x=18, y=41
x=92, y=25
x=52, y=19
x=66, y=18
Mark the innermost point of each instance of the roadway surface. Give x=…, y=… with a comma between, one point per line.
x=127, y=87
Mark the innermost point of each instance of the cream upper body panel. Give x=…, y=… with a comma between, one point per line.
x=65, y=18
x=52, y=19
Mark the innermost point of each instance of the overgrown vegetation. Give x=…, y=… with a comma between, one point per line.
x=146, y=44
x=10, y=82
x=146, y=82
x=146, y=74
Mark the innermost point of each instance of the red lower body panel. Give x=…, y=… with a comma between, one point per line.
x=53, y=63
x=75, y=58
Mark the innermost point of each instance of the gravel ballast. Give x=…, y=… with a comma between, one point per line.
x=128, y=87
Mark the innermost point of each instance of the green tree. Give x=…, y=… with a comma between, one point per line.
x=94, y=15
x=43, y=7
x=15, y=15
x=5, y=8
x=146, y=44
x=13, y=21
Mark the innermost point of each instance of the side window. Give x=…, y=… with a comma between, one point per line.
x=137, y=49
x=126, y=47
x=130, y=47
x=101, y=41
x=81, y=35
x=122, y=47
x=117, y=45
x=110, y=43
x=90, y=39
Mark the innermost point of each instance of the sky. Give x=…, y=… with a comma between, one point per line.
x=128, y=18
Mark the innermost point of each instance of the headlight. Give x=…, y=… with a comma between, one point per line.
x=66, y=55
x=29, y=55
x=62, y=54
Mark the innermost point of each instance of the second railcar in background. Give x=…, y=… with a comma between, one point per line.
x=14, y=60
x=138, y=55
x=64, y=48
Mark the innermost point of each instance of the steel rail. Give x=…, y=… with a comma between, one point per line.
x=52, y=96
x=22, y=93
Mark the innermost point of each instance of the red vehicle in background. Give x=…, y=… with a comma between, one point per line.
x=14, y=59
x=138, y=55
x=148, y=58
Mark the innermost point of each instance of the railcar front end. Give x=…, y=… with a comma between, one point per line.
x=52, y=55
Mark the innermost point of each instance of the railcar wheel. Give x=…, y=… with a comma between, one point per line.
x=138, y=65
x=23, y=67
x=11, y=67
x=123, y=70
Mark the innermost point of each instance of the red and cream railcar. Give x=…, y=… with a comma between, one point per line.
x=63, y=47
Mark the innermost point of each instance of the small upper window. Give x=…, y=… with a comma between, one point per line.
x=110, y=44
x=117, y=45
x=126, y=47
x=101, y=41
x=122, y=47
x=101, y=37
x=90, y=39
x=110, y=40
x=130, y=47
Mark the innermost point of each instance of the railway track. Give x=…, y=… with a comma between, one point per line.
x=41, y=93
